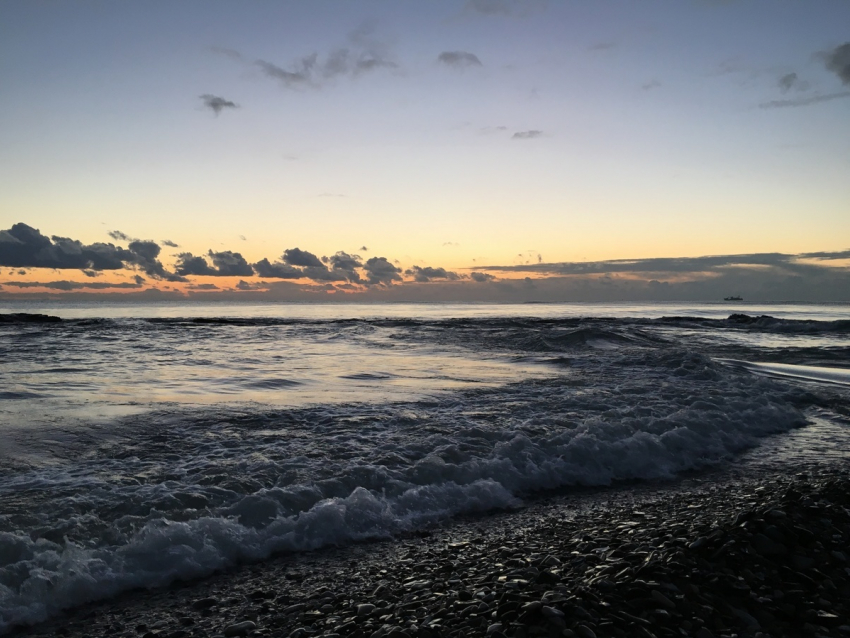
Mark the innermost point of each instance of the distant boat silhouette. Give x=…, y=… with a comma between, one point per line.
x=733, y=298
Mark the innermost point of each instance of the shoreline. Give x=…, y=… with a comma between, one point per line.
x=724, y=552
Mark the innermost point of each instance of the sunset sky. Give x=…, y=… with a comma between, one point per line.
x=507, y=139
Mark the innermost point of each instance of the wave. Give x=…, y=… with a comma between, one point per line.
x=173, y=496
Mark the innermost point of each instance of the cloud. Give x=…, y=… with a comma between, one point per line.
x=139, y=279
x=169, y=243
x=459, y=59
x=189, y=264
x=299, y=76
x=346, y=265
x=481, y=277
x=22, y=246
x=787, y=81
x=527, y=135
x=71, y=285
x=225, y=264
x=258, y=285
x=146, y=257
x=202, y=287
x=842, y=254
x=380, y=272
x=428, y=273
x=298, y=257
x=217, y=104
x=301, y=264
x=365, y=53
x=602, y=46
x=364, y=249
x=677, y=265
x=230, y=264
x=117, y=235
x=838, y=61
x=264, y=268
x=505, y=8
x=804, y=101
x=652, y=84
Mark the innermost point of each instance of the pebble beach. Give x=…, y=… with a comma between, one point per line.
x=723, y=556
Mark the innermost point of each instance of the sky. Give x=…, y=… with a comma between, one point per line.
x=489, y=150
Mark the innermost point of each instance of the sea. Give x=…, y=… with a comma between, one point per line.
x=146, y=444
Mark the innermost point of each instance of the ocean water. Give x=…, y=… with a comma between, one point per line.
x=145, y=444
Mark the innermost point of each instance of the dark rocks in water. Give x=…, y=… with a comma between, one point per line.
x=25, y=317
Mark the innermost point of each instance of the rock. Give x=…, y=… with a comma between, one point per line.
x=495, y=627
x=547, y=578
x=698, y=543
x=767, y=547
x=551, y=612
x=204, y=603
x=240, y=628
x=704, y=633
x=661, y=599
x=827, y=619
x=585, y=632
x=365, y=609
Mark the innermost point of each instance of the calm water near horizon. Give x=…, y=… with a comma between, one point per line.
x=140, y=444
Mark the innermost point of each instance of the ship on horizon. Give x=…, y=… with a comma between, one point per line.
x=733, y=298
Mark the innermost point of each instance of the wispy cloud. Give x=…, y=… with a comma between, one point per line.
x=504, y=8
x=65, y=285
x=459, y=59
x=527, y=135
x=804, y=101
x=676, y=264
x=364, y=53
x=217, y=104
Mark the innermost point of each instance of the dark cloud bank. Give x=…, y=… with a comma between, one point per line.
x=300, y=275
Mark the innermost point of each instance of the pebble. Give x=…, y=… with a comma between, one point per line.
x=240, y=629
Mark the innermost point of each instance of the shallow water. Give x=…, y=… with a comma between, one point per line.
x=144, y=444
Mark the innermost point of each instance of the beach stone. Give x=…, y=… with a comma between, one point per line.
x=365, y=609
x=204, y=603
x=585, y=632
x=767, y=547
x=827, y=619
x=704, y=632
x=240, y=628
x=660, y=598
